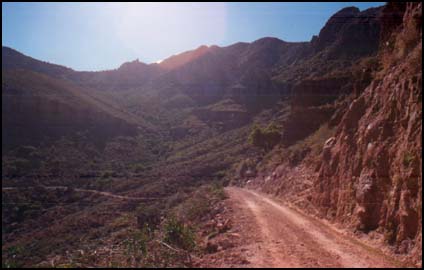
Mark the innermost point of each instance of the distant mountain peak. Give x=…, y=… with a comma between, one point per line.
x=268, y=39
x=181, y=59
x=347, y=11
x=351, y=30
x=132, y=64
x=13, y=59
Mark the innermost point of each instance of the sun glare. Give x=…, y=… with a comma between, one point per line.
x=175, y=26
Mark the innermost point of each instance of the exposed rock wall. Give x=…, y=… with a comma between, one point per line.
x=371, y=172
x=368, y=175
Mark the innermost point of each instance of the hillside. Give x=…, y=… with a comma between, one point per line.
x=361, y=166
x=127, y=167
x=181, y=59
x=51, y=108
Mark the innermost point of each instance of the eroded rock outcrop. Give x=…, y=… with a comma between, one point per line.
x=371, y=176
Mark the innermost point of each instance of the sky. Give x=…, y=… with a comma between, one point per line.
x=99, y=36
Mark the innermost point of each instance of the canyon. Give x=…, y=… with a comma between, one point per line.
x=347, y=109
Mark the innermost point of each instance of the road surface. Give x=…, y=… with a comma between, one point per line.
x=286, y=238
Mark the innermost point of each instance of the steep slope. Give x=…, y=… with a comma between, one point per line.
x=355, y=158
x=233, y=80
x=340, y=62
x=343, y=30
x=201, y=105
x=11, y=59
x=347, y=36
x=37, y=108
x=371, y=174
x=238, y=71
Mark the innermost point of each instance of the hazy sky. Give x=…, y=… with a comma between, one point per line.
x=97, y=36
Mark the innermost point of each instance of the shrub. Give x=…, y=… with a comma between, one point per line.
x=136, y=244
x=179, y=234
x=197, y=206
x=256, y=137
x=218, y=192
x=272, y=136
x=148, y=216
x=265, y=138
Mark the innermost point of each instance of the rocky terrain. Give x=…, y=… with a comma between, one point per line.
x=331, y=126
x=371, y=172
x=368, y=174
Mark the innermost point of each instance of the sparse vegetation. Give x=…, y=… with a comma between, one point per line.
x=265, y=138
x=136, y=243
x=179, y=234
x=176, y=139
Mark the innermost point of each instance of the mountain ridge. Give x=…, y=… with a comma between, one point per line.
x=316, y=123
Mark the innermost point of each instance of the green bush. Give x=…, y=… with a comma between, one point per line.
x=179, y=234
x=218, y=192
x=136, y=244
x=196, y=207
x=265, y=138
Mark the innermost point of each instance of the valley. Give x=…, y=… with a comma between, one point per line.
x=260, y=154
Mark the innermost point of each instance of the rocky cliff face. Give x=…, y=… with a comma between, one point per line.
x=337, y=63
x=352, y=141
x=371, y=171
x=346, y=27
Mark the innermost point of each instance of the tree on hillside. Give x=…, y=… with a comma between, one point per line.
x=256, y=137
x=272, y=136
x=265, y=138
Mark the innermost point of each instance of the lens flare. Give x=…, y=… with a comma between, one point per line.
x=174, y=26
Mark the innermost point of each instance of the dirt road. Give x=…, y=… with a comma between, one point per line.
x=102, y=193
x=286, y=238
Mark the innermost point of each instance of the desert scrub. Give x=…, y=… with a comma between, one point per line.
x=201, y=202
x=179, y=234
x=148, y=216
x=217, y=190
x=196, y=207
x=136, y=244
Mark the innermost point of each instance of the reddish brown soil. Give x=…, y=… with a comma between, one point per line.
x=270, y=234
